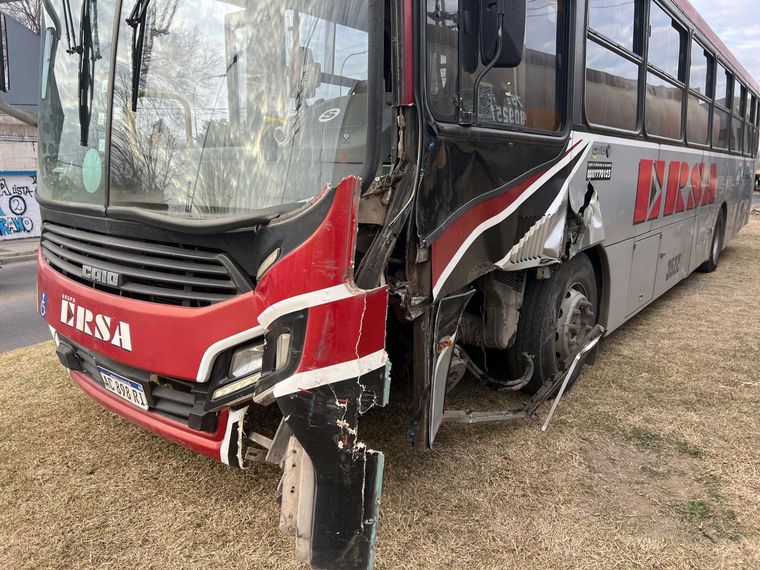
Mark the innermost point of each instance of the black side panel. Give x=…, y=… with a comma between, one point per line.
x=460, y=173
x=348, y=475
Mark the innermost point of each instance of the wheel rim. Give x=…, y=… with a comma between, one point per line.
x=575, y=319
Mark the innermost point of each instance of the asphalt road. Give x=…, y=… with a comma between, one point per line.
x=20, y=325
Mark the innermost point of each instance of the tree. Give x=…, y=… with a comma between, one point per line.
x=25, y=11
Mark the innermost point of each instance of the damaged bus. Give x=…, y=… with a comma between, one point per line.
x=254, y=207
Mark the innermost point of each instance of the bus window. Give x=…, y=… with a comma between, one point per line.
x=697, y=121
x=523, y=98
x=614, y=19
x=663, y=111
x=721, y=87
x=612, y=65
x=701, y=64
x=738, y=91
x=664, y=91
x=612, y=86
x=721, y=120
x=744, y=105
x=736, y=134
x=666, y=38
x=698, y=109
x=442, y=59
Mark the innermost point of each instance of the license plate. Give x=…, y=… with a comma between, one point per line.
x=127, y=389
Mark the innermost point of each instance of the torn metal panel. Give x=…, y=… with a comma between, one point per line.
x=439, y=346
x=347, y=476
x=592, y=232
x=297, y=497
x=543, y=243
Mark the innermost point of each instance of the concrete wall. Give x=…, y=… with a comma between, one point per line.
x=19, y=211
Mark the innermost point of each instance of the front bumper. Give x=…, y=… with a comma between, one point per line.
x=210, y=445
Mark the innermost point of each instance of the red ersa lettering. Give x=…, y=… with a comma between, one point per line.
x=685, y=187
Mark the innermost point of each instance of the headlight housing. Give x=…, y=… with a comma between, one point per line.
x=244, y=370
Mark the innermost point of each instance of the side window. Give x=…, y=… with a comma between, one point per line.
x=737, y=122
x=721, y=123
x=665, y=75
x=613, y=61
x=442, y=59
x=5, y=77
x=701, y=69
x=722, y=96
x=666, y=38
x=527, y=97
x=698, y=109
x=614, y=19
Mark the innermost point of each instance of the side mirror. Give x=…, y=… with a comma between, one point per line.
x=469, y=47
x=502, y=32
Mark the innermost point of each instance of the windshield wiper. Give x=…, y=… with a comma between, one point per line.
x=136, y=21
x=89, y=53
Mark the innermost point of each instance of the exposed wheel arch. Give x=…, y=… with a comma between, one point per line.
x=601, y=265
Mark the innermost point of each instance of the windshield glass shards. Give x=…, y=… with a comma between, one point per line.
x=223, y=109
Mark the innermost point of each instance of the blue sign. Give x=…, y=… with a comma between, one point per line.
x=43, y=304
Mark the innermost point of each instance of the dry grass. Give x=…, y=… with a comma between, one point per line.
x=653, y=461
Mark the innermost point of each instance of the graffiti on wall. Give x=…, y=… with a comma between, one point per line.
x=19, y=211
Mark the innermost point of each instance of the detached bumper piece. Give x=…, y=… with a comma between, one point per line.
x=332, y=482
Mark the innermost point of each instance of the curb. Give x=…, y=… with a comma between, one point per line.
x=18, y=258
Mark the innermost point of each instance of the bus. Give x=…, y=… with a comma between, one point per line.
x=259, y=216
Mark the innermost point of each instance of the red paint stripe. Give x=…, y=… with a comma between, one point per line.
x=408, y=95
x=448, y=243
x=345, y=330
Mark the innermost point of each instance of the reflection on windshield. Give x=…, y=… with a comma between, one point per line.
x=239, y=109
x=72, y=122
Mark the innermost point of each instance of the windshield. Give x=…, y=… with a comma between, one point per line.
x=219, y=108
x=74, y=102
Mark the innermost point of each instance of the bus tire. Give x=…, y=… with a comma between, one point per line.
x=557, y=315
x=716, y=246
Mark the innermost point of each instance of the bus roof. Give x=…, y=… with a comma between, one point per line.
x=702, y=26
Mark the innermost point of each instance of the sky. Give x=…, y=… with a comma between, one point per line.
x=737, y=23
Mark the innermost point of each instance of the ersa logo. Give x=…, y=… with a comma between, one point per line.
x=686, y=187
x=101, y=327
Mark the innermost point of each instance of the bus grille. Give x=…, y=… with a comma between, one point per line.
x=148, y=271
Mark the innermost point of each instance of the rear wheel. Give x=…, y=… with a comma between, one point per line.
x=556, y=318
x=716, y=246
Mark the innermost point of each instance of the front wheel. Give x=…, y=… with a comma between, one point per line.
x=716, y=246
x=556, y=318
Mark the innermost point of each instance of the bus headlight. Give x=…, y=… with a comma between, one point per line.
x=246, y=361
x=236, y=386
x=244, y=370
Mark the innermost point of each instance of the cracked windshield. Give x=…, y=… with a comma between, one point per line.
x=219, y=109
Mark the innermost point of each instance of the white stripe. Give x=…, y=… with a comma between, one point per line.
x=224, y=450
x=269, y=315
x=638, y=143
x=561, y=197
x=55, y=336
x=501, y=216
x=331, y=374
